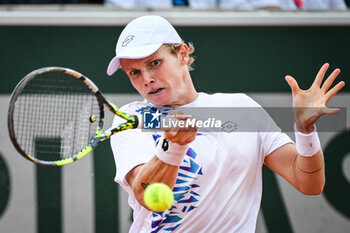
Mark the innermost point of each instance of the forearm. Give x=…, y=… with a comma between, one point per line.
x=309, y=165
x=154, y=171
x=305, y=169
x=309, y=173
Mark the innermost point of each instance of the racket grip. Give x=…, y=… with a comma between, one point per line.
x=140, y=122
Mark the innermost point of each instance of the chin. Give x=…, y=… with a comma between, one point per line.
x=157, y=102
x=161, y=104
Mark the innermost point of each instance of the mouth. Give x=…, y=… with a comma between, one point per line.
x=155, y=91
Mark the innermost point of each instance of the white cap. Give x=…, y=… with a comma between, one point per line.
x=142, y=37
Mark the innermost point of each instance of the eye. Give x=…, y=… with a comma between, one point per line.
x=155, y=62
x=134, y=72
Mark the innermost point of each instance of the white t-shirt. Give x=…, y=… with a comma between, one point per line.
x=219, y=184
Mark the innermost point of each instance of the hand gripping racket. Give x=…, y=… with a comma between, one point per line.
x=56, y=116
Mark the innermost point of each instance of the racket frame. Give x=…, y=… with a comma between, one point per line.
x=132, y=121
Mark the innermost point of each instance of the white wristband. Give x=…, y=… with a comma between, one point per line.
x=171, y=153
x=307, y=144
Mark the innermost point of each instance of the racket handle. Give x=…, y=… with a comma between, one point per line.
x=140, y=122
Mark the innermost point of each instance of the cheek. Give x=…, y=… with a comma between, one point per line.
x=163, y=70
x=137, y=85
x=170, y=74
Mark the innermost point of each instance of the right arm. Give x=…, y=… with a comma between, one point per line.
x=156, y=170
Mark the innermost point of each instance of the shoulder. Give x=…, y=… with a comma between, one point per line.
x=230, y=99
x=135, y=107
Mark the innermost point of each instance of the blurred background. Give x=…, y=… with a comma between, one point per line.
x=241, y=46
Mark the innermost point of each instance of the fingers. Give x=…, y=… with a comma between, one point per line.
x=185, y=130
x=182, y=136
x=334, y=91
x=185, y=137
x=329, y=81
x=171, y=133
x=293, y=84
x=319, y=77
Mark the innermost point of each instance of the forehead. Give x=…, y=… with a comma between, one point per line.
x=162, y=52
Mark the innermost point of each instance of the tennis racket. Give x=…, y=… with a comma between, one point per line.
x=56, y=116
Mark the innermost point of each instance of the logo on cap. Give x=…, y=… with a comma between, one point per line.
x=127, y=40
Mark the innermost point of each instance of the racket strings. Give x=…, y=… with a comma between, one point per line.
x=52, y=116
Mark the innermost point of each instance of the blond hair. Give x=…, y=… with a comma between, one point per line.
x=174, y=48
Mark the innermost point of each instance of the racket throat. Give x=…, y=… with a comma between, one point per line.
x=95, y=141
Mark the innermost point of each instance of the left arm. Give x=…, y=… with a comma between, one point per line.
x=306, y=174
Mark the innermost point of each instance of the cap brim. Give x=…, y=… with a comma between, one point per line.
x=132, y=53
x=113, y=66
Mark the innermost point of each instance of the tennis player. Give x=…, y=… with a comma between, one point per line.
x=216, y=176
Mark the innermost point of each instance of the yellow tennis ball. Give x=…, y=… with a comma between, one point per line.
x=158, y=197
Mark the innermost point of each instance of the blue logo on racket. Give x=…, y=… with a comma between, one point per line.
x=151, y=119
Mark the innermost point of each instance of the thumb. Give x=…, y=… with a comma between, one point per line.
x=330, y=111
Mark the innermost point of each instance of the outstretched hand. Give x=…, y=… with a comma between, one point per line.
x=309, y=105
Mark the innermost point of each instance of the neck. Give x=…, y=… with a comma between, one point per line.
x=187, y=96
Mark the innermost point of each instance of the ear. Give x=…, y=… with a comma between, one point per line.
x=184, y=54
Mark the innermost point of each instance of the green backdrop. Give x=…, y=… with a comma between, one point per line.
x=229, y=59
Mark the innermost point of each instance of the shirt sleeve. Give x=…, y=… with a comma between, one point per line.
x=270, y=135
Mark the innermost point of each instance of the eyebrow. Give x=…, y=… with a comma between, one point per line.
x=153, y=56
x=150, y=59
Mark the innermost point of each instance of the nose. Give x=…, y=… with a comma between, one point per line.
x=147, y=78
